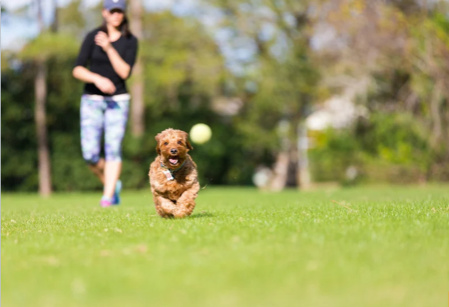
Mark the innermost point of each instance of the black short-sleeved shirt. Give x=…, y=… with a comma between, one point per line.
x=93, y=55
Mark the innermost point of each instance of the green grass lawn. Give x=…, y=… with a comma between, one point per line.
x=379, y=246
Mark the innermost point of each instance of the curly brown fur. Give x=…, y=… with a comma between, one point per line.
x=174, y=198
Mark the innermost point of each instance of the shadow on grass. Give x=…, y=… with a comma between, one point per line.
x=193, y=216
x=201, y=215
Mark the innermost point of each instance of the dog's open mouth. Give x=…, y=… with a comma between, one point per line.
x=173, y=160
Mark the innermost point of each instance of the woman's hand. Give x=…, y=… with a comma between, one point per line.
x=120, y=66
x=105, y=85
x=102, y=40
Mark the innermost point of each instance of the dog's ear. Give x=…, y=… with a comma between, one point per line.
x=186, y=138
x=157, y=138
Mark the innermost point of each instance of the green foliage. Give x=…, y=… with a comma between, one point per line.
x=180, y=83
x=18, y=130
x=50, y=45
x=179, y=59
x=71, y=18
x=384, y=147
x=333, y=154
x=220, y=161
x=276, y=79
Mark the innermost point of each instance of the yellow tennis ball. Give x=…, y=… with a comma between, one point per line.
x=200, y=133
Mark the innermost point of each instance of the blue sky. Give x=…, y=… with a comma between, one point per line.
x=15, y=31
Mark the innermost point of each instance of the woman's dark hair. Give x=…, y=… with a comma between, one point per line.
x=124, y=27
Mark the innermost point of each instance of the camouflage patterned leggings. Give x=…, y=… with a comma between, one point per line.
x=103, y=113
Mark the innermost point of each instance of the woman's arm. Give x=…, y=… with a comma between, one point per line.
x=80, y=71
x=83, y=74
x=103, y=84
x=120, y=66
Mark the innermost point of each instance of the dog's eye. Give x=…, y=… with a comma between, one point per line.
x=166, y=143
x=180, y=142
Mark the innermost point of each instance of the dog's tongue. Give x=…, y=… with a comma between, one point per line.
x=173, y=161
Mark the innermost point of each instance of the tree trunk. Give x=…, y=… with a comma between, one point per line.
x=40, y=87
x=436, y=115
x=303, y=174
x=137, y=89
x=55, y=24
x=40, y=93
x=278, y=180
x=280, y=171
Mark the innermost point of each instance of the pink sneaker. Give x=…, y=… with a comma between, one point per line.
x=105, y=202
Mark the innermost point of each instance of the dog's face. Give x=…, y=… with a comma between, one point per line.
x=172, y=146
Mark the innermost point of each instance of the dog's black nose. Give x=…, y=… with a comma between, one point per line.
x=173, y=151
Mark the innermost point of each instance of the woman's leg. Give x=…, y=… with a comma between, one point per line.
x=116, y=117
x=112, y=172
x=98, y=169
x=92, y=119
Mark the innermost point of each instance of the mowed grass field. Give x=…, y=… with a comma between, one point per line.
x=370, y=246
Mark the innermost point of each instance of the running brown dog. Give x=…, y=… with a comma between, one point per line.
x=173, y=175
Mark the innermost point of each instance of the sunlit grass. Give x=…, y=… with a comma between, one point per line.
x=378, y=246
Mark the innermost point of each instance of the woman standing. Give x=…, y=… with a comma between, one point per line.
x=110, y=52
